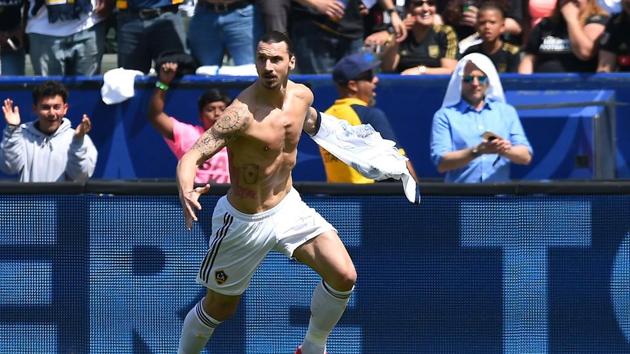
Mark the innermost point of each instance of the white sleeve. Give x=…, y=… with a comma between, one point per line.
x=82, y=157
x=12, y=154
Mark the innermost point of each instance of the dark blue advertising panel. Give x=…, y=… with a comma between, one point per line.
x=99, y=273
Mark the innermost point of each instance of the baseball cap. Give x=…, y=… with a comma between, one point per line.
x=352, y=66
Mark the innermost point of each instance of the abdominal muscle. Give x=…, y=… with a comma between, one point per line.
x=258, y=186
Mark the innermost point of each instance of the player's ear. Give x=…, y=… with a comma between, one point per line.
x=291, y=62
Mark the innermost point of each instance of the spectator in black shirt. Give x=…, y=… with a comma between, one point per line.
x=490, y=25
x=428, y=49
x=614, y=44
x=566, y=41
x=275, y=14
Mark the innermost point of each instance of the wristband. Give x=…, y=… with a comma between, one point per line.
x=160, y=85
x=318, y=122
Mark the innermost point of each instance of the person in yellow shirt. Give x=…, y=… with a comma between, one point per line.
x=356, y=81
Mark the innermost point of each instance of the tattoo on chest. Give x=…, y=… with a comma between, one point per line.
x=249, y=173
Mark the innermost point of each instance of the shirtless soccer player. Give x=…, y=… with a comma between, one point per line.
x=261, y=211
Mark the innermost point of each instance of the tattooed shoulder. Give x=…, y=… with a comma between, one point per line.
x=225, y=129
x=233, y=119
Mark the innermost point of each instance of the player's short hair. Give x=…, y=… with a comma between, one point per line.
x=212, y=95
x=278, y=37
x=50, y=89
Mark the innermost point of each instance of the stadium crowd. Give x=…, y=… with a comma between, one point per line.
x=413, y=37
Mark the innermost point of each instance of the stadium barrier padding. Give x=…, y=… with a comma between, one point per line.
x=560, y=113
x=108, y=267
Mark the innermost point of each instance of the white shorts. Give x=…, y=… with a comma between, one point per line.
x=241, y=241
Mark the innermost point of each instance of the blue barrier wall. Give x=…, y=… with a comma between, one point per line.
x=130, y=148
x=98, y=273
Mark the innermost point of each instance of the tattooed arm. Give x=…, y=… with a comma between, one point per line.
x=234, y=120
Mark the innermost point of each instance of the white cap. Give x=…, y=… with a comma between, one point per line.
x=118, y=85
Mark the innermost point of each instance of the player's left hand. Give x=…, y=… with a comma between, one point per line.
x=190, y=203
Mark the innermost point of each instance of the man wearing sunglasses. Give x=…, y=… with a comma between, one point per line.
x=476, y=134
x=356, y=82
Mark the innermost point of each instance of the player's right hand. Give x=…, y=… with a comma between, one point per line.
x=11, y=113
x=190, y=203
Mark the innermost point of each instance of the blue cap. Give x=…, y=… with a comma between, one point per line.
x=352, y=66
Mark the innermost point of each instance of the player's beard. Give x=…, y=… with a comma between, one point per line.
x=271, y=83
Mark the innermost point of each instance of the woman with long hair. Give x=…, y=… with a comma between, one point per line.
x=565, y=41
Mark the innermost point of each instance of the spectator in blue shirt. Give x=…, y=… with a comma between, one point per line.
x=476, y=134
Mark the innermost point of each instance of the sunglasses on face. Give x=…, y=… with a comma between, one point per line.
x=470, y=78
x=422, y=2
x=365, y=76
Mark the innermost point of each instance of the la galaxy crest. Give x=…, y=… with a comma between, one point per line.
x=220, y=277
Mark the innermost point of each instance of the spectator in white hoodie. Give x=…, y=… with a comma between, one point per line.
x=47, y=149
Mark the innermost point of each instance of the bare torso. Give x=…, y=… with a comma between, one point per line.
x=265, y=151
